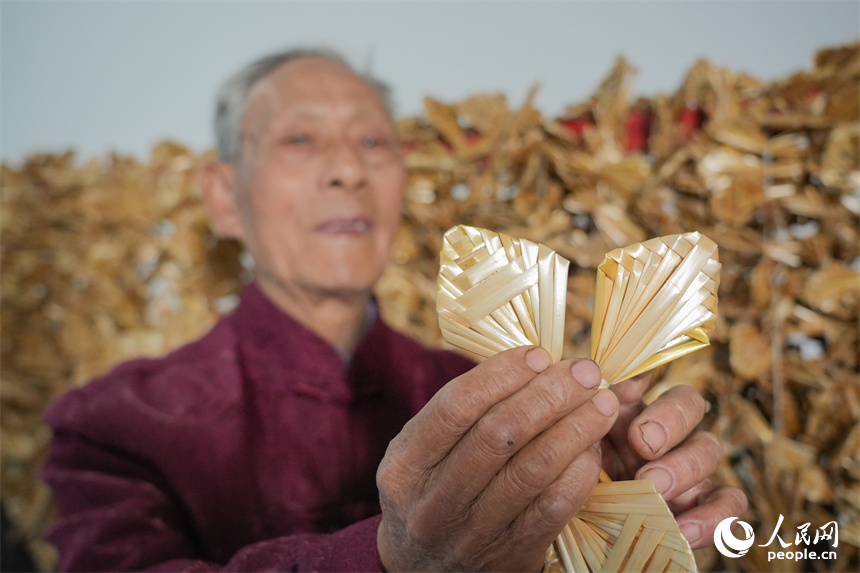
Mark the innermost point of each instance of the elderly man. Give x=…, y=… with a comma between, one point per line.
x=301, y=433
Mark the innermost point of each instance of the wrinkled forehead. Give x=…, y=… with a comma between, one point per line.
x=307, y=81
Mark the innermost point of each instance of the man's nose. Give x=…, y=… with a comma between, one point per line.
x=345, y=167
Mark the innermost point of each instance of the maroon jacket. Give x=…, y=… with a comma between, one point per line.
x=250, y=449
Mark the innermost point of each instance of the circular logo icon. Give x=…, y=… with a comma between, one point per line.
x=727, y=543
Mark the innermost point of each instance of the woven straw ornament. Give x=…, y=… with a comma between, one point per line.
x=654, y=302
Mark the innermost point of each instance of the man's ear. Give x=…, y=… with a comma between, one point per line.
x=217, y=181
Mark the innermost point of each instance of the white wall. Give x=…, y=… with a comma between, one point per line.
x=100, y=76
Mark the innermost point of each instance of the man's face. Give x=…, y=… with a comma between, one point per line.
x=321, y=179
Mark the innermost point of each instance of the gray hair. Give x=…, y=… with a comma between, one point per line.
x=232, y=100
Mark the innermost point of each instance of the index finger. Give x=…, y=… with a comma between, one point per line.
x=630, y=391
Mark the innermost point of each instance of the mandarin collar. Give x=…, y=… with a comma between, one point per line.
x=279, y=350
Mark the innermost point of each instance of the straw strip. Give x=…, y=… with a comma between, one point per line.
x=677, y=567
x=643, y=550
x=561, y=545
x=625, y=540
x=659, y=560
x=490, y=294
x=579, y=534
x=634, y=523
x=647, y=507
x=576, y=557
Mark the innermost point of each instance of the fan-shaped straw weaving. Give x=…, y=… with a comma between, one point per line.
x=623, y=526
x=497, y=292
x=654, y=302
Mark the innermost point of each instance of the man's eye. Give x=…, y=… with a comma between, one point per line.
x=297, y=139
x=370, y=142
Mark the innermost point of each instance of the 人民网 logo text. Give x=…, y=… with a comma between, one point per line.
x=730, y=546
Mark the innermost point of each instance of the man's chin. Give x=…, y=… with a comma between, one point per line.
x=344, y=282
x=361, y=287
x=351, y=277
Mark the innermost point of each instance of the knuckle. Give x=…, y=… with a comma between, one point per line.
x=713, y=442
x=586, y=426
x=453, y=410
x=509, y=366
x=737, y=501
x=686, y=405
x=530, y=475
x=712, y=446
x=416, y=531
x=496, y=437
x=557, y=391
x=423, y=522
x=554, y=510
x=459, y=404
x=383, y=477
x=687, y=394
x=557, y=504
x=697, y=402
x=686, y=413
x=725, y=501
x=691, y=469
x=386, y=478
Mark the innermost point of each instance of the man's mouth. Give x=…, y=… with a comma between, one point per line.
x=356, y=226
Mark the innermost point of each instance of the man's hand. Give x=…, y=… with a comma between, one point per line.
x=659, y=442
x=492, y=468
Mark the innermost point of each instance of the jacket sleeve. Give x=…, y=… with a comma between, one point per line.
x=114, y=513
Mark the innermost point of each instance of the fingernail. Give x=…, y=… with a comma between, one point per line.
x=585, y=373
x=661, y=478
x=691, y=531
x=538, y=359
x=605, y=402
x=654, y=435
